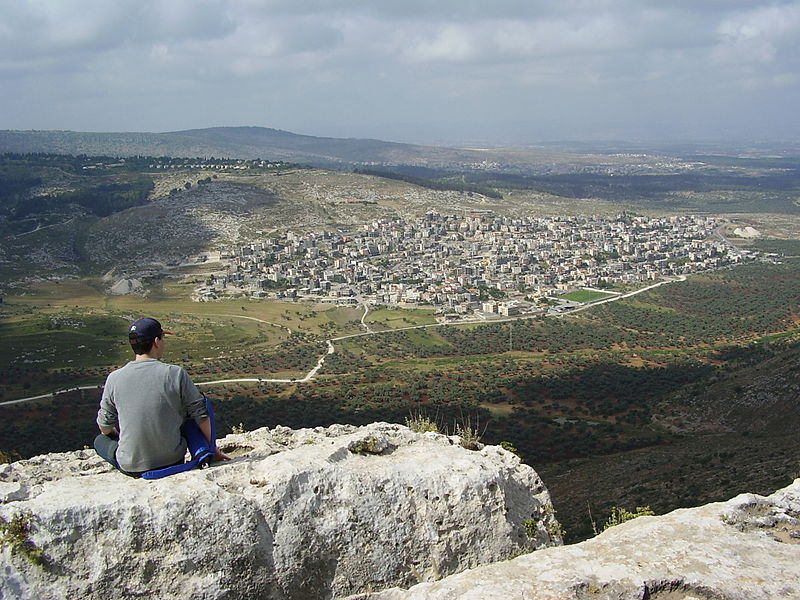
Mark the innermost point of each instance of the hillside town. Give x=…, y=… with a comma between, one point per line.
x=473, y=262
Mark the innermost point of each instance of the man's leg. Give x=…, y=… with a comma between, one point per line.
x=106, y=447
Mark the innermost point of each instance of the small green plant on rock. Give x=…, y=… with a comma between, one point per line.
x=420, y=423
x=14, y=533
x=369, y=445
x=531, y=526
x=553, y=528
x=470, y=436
x=9, y=456
x=556, y=530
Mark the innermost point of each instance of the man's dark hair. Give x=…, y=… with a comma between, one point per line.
x=141, y=346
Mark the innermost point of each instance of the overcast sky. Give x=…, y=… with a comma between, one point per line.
x=451, y=71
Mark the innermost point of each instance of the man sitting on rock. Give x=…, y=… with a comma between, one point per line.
x=150, y=408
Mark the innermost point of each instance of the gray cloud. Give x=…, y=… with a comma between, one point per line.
x=419, y=69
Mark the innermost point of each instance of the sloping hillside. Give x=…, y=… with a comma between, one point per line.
x=230, y=142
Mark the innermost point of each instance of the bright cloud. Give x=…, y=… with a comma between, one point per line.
x=758, y=35
x=458, y=69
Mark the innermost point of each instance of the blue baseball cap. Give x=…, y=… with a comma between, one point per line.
x=145, y=329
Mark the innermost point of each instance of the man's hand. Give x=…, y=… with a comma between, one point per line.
x=110, y=432
x=205, y=427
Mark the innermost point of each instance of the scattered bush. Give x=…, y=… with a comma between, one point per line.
x=369, y=445
x=9, y=456
x=620, y=515
x=510, y=447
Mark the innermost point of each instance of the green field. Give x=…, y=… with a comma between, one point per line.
x=394, y=318
x=584, y=296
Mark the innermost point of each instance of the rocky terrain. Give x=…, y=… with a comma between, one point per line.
x=172, y=227
x=743, y=549
x=377, y=512
x=296, y=514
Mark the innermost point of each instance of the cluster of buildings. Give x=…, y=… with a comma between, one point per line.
x=471, y=262
x=217, y=163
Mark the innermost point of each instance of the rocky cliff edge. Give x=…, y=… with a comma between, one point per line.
x=745, y=549
x=297, y=514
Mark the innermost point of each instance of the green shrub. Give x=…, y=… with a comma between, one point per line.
x=9, y=456
x=621, y=515
x=369, y=445
x=510, y=447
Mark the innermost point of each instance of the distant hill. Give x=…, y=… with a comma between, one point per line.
x=408, y=159
x=232, y=142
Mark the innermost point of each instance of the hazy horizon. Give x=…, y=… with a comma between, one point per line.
x=446, y=72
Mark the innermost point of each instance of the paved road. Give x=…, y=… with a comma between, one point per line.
x=52, y=394
x=331, y=348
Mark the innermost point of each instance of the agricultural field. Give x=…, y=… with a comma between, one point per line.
x=584, y=296
x=394, y=318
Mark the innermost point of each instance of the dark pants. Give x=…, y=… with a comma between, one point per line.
x=106, y=446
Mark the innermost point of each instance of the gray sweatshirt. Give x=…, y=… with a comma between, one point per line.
x=148, y=401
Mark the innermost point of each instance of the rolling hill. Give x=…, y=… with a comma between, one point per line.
x=232, y=142
x=276, y=144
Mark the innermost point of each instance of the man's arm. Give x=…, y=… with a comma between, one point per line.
x=205, y=427
x=107, y=419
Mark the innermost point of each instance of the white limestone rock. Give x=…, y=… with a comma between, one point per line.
x=125, y=287
x=297, y=514
x=747, y=232
x=745, y=549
